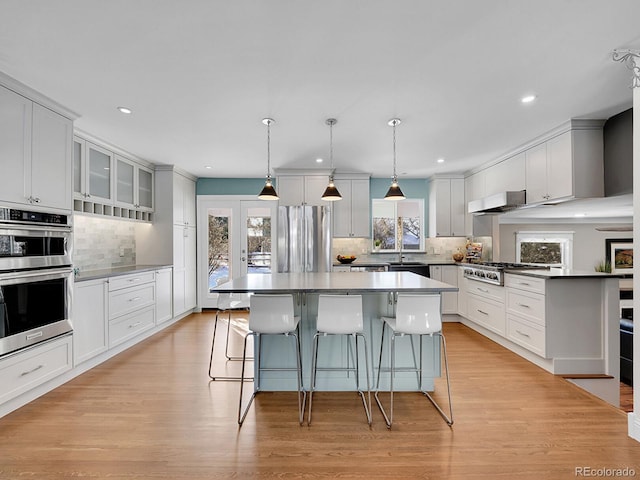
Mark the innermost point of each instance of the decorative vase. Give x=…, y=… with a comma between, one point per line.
x=457, y=256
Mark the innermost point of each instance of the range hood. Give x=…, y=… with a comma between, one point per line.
x=498, y=203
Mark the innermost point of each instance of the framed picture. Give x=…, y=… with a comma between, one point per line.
x=620, y=254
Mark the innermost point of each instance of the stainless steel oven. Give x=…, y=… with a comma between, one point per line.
x=35, y=277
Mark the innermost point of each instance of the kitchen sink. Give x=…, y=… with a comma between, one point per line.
x=414, y=267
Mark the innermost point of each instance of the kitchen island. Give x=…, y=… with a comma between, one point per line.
x=378, y=290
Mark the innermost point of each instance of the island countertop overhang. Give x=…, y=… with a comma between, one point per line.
x=355, y=282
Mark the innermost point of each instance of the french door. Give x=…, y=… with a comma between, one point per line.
x=235, y=237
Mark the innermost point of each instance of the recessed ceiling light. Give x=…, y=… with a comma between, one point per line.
x=528, y=98
x=125, y=110
x=208, y=167
x=319, y=160
x=440, y=160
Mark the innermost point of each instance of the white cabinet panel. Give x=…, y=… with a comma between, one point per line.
x=290, y=189
x=536, y=173
x=89, y=320
x=15, y=144
x=447, y=274
x=447, y=207
x=352, y=214
x=164, y=295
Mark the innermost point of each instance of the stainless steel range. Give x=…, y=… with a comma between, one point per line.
x=493, y=272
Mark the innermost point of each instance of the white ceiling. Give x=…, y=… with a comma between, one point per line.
x=201, y=74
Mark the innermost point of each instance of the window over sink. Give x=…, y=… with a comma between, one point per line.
x=554, y=249
x=398, y=225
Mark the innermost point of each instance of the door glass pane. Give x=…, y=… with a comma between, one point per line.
x=145, y=188
x=77, y=167
x=259, y=240
x=219, y=246
x=125, y=182
x=99, y=173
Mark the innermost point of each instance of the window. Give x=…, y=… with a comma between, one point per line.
x=545, y=248
x=398, y=220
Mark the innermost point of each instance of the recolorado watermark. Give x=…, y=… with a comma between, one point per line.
x=604, y=472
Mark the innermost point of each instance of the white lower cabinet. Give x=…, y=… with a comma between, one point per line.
x=447, y=274
x=34, y=366
x=184, y=269
x=485, y=306
x=90, y=334
x=164, y=295
x=132, y=303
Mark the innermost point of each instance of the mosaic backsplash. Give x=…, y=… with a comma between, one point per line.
x=103, y=242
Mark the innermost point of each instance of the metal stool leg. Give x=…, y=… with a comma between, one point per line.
x=449, y=418
x=213, y=342
x=256, y=389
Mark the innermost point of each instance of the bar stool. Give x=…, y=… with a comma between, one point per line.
x=228, y=302
x=341, y=315
x=271, y=315
x=415, y=315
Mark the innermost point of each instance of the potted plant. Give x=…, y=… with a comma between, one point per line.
x=377, y=243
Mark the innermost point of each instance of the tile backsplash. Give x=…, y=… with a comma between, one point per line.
x=102, y=242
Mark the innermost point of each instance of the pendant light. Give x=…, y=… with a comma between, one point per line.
x=331, y=194
x=394, y=192
x=268, y=192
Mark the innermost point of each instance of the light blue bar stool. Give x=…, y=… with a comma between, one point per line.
x=341, y=315
x=415, y=315
x=271, y=315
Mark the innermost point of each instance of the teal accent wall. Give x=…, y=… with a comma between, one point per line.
x=229, y=186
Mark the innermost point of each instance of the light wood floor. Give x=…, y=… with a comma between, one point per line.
x=151, y=413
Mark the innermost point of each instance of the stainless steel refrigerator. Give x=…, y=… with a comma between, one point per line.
x=304, y=239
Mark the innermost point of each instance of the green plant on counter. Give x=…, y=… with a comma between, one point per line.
x=377, y=242
x=603, y=266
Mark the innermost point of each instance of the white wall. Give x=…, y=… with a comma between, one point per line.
x=588, y=243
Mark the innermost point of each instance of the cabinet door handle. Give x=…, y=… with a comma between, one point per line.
x=135, y=299
x=134, y=279
x=523, y=305
x=524, y=283
x=483, y=290
x=31, y=371
x=523, y=334
x=484, y=313
x=133, y=325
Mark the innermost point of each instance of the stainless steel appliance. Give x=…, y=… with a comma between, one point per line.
x=304, y=239
x=493, y=272
x=35, y=277
x=498, y=203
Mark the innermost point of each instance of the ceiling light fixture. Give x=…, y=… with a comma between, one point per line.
x=125, y=110
x=528, y=98
x=440, y=160
x=331, y=193
x=268, y=192
x=394, y=192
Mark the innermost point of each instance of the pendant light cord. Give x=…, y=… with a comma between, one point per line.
x=395, y=177
x=268, y=149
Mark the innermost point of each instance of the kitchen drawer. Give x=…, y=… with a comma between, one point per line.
x=526, y=334
x=128, y=326
x=116, y=283
x=29, y=368
x=486, y=290
x=521, y=282
x=130, y=299
x=489, y=314
x=526, y=304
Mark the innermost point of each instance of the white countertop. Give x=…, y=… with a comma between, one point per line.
x=355, y=282
x=563, y=273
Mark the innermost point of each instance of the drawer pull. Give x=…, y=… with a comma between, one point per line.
x=23, y=374
x=135, y=299
x=483, y=290
x=523, y=334
x=484, y=313
x=524, y=283
x=523, y=305
x=134, y=279
x=134, y=325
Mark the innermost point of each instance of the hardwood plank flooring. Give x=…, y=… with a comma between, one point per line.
x=151, y=413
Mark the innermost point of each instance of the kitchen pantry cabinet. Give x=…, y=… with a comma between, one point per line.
x=90, y=333
x=351, y=215
x=35, y=150
x=134, y=185
x=447, y=207
x=569, y=165
x=184, y=244
x=184, y=201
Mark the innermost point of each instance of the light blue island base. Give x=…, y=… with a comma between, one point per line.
x=378, y=291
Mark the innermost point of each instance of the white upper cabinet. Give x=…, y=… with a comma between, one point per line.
x=134, y=184
x=301, y=189
x=569, y=165
x=351, y=215
x=96, y=166
x=447, y=207
x=184, y=201
x=506, y=176
x=35, y=151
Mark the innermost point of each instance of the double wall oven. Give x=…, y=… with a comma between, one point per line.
x=35, y=277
